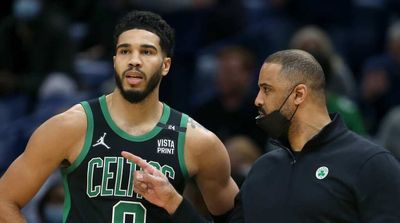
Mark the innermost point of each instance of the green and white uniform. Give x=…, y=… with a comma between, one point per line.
x=99, y=184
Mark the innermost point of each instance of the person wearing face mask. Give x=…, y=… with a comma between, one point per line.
x=323, y=172
x=51, y=206
x=26, y=10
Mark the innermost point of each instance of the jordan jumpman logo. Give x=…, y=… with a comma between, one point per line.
x=100, y=141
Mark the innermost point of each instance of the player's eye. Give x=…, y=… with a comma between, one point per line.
x=124, y=51
x=147, y=52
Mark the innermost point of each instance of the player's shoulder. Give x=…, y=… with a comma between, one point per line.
x=71, y=120
x=74, y=116
x=199, y=138
x=203, y=149
x=198, y=133
x=62, y=131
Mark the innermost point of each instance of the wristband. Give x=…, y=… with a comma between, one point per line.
x=187, y=213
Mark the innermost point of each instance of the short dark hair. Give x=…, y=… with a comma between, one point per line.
x=151, y=22
x=298, y=66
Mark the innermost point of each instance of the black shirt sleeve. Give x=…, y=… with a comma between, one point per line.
x=378, y=189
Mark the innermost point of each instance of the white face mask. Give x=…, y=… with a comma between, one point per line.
x=53, y=213
x=27, y=10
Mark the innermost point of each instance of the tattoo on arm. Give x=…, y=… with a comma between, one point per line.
x=195, y=124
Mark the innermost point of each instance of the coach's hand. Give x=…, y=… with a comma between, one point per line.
x=153, y=185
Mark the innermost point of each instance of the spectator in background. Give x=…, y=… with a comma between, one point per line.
x=56, y=94
x=243, y=152
x=34, y=43
x=339, y=80
x=314, y=40
x=36, y=208
x=230, y=112
x=23, y=37
x=51, y=205
x=367, y=35
x=389, y=131
x=341, y=104
x=333, y=16
x=379, y=90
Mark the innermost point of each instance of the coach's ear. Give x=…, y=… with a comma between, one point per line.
x=301, y=92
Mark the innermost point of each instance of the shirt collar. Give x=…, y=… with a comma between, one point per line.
x=328, y=133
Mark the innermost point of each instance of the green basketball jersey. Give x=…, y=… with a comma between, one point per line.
x=99, y=184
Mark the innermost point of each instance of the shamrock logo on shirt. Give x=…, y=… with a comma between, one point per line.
x=321, y=172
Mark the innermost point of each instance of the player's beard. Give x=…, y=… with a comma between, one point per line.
x=137, y=96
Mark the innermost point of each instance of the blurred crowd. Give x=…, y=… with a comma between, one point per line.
x=55, y=53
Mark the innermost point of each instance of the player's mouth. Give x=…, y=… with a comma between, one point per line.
x=134, y=77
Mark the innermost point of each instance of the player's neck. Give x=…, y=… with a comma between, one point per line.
x=124, y=113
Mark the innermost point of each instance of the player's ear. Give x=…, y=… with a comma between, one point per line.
x=166, y=65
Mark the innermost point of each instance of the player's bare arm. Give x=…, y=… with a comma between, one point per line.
x=208, y=163
x=57, y=141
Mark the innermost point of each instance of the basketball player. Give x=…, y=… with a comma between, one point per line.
x=86, y=141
